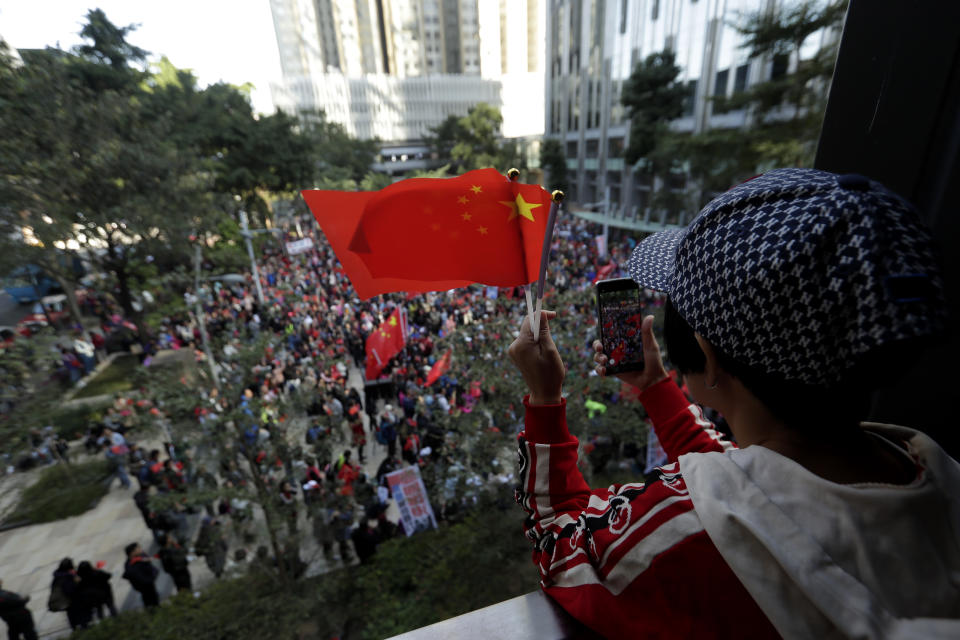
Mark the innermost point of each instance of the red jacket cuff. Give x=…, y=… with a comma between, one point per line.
x=546, y=423
x=663, y=401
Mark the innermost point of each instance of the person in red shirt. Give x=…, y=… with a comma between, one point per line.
x=791, y=299
x=347, y=475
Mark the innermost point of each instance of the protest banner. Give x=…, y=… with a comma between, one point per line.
x=407, y=489
x=299, y=246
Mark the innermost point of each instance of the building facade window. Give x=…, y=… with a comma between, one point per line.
x=593, y=148
x=572, y=150
x=781, y=63
x=740, y=79
x=690, y=99
x=615, y=148
x=720, y=83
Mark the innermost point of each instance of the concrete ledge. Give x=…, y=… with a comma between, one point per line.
x=533, y=616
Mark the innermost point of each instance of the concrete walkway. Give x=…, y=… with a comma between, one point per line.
x=29, y=555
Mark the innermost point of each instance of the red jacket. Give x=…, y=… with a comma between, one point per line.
x=632, y=560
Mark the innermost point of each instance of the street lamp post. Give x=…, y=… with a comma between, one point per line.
x=245, y=226
x=201, y=318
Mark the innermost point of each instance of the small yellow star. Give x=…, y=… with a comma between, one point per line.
x=521, y=208
x=428, y=209
x=462, y=200
x=466, y=216
x=476, y=188
x=435, y=227
x=483, y=231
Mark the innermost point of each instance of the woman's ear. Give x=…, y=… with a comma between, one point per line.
x=712, y=370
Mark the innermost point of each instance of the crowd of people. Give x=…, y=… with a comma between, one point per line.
x=288, y=419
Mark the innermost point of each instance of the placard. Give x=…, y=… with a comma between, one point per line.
x=408, y=490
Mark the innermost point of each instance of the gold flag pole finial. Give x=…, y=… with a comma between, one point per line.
x=557, y=196
x=513, y=174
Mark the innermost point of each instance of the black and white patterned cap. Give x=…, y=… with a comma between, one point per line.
x=799, y=272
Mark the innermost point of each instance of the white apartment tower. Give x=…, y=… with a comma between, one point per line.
x=392, y=69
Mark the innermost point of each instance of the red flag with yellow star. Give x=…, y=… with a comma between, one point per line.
x=386, y=341
x=429, y=234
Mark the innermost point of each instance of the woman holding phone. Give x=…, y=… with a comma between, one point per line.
x=792, y=297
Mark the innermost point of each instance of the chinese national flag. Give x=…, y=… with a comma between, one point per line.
x=386, y=341
x=439, y=368
x=430, y=234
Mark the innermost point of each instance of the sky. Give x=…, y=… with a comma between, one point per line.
x=228, y=40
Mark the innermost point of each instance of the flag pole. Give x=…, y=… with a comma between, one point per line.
x=513, y=174
x=556, y=199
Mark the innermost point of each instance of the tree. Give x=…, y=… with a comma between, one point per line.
x=474, y=142
x=784, y=112
x=339, y=156
x=553, y=161
x=445, y=136
x=112, y=163
x=653, y=98
x=477, y=144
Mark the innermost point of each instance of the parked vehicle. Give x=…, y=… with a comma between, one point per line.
x=28, y=283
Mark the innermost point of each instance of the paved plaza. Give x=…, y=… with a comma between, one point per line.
x=29, y=555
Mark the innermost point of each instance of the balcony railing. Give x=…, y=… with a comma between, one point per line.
x=533, y=616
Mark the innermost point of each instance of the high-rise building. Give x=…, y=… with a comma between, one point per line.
x=592, y=47
x=392, y=69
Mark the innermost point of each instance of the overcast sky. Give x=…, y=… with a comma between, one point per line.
x=229, y=40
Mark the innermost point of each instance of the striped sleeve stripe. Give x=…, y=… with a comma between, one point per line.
x=647, y=517
x=636, y=560
x=541, y=478
x=723, y=444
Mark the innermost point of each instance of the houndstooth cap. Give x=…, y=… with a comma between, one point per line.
x=799, y=272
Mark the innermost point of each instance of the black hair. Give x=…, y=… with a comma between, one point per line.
x=130, y=547
x=801, y=406
x=84, y=569
x=65, y=565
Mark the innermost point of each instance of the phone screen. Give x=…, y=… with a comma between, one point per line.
x=620, y=315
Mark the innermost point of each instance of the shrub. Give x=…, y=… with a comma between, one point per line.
x=62, y=491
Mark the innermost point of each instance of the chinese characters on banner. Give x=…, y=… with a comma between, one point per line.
x=656, y=456
x=407, y=488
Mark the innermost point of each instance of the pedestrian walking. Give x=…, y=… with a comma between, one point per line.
x=13, y=611
x=95, y=589
x=141, y=574
x=212, y=545
x=174, y=560
x=64, y=596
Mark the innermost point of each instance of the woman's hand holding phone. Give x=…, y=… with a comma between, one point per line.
x=653, y=371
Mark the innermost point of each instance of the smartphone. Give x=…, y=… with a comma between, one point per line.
x=620, y=316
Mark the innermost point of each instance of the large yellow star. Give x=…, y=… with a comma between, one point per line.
x=393, y=321
x=521, y=208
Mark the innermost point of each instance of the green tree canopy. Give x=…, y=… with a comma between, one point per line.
x=784, y=112
x=554, y=163
x=653, y=98
x=474, y=142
